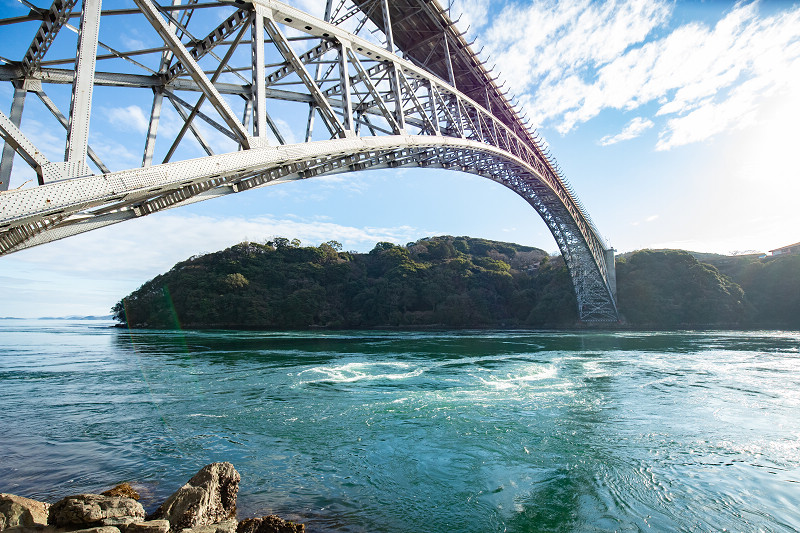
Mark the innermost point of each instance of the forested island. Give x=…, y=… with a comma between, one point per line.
x=454, y=282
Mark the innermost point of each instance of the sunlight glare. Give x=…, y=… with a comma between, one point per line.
x=767, y=154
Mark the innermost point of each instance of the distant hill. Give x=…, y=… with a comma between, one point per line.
x=772, y=286
x=664, y=288
x=454, y=282
x=671, y=288
x=434, y=282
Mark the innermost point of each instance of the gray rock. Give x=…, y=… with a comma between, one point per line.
x=35, y=528
x=269, y=524
x=226, y=526
x=208, y=498
x=151, y=526
x=38, y=528
x=95, y=510
x=18, y=511
x=101, y=529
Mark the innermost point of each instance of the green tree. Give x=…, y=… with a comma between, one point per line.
x=235, y=281
x=669, y=288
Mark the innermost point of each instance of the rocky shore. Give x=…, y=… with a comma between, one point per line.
x=205, y=504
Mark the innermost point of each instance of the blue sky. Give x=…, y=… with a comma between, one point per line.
x=675, y=122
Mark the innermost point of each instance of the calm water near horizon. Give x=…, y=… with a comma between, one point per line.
x=386, y=431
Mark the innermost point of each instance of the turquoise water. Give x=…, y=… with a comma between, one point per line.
x=401, y=432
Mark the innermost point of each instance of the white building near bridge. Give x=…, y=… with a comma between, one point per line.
x=791, y=249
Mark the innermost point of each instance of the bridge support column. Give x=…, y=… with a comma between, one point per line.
x=258, y=97
x=394, y=78
x=611, y=269
x=8, y=150
x=81, y=105
x=344, y=81
x=450, y=73
x=152, y=128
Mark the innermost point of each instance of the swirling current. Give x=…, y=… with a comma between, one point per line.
x=440, y=431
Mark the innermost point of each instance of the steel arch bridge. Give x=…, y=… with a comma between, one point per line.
x=393, y=84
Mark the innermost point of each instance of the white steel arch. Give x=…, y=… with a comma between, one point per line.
x=380, y=107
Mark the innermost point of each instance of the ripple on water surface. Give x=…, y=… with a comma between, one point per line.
x=434, y=431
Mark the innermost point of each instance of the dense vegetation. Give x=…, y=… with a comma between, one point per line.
x=453, y=282
x=668, y=288
x=442, y=281
x=771, y=286
x=671, y=288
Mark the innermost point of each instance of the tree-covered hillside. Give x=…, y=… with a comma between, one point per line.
x=772, y=287
x=441, y=281
x=453, y=282
x=670, y=288
x=673, y=287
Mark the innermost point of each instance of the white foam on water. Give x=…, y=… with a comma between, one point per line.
x=360, y=371
x=524, y=377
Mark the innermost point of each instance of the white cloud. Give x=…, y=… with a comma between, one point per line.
x=651, y=218
x=114, y=155
x=584, y=57
x=765, y=152
x=88, y=273
x=219, y=143
x=735, y=98
x=170, y=123
x=347, y=181
x=470, y=14
x=286, y=132
x=634, y=128
x=130, y=118
x=546, y=44
x=134, y=38
x=51, y=144
x=312, y=7
x=133, y=44
x=144, y=247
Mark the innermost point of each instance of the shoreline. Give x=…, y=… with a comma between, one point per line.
x=599, y=328
x=207, y=503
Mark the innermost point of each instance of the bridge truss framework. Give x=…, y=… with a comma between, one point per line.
x=393, y=84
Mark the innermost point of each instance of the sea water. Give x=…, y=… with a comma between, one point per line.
x=440, y=431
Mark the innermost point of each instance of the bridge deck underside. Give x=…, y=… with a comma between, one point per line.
x=425, y=34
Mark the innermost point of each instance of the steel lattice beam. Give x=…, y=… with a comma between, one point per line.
x=53, y=20
x=382, y=111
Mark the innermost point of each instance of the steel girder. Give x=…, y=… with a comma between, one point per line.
x=379, y=109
